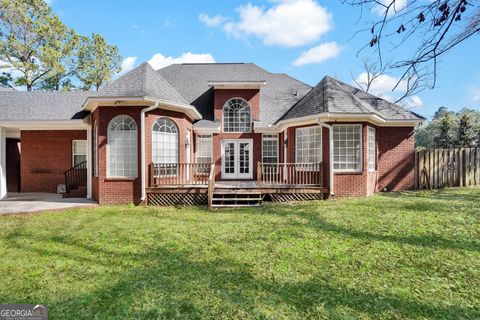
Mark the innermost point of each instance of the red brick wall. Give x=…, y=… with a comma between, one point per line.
x=354, y=183
x=395, y=162
x=396, y=158
x=46, y=155
x=113, y=190
x=123, y=191
x=252, y=96
x=183, y=123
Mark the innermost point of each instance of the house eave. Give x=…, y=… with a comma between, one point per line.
x=336, y=118
x=93, y=102
x=73, y=124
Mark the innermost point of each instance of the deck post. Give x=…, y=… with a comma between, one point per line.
x=259, y=173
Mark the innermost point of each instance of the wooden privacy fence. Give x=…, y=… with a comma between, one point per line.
x=439, y=168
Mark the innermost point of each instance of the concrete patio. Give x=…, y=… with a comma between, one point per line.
x=16, y=203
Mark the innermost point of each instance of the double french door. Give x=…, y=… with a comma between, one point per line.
x=237, y=159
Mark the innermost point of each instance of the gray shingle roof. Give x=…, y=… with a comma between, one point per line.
x=191, y=81
x=41, y=105
x=331, y=95
x=142, y=81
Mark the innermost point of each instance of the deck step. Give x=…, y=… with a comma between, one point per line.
x=236, y=198
x=235, y=205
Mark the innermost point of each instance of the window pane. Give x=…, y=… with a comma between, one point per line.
x=347, y=147
x=122, y=147
x=372, y=154
x=236, y=116
x=308, y=147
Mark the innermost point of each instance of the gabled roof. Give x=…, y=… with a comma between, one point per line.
x=192, y=81
x=144, y=82
x=333, y=96
x=42, y=105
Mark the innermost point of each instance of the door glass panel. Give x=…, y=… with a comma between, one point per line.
x=230, y=158
x=244, y=157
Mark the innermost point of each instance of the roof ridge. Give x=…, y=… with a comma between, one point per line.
x=362, y=105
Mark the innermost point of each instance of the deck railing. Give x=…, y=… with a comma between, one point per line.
x=179, y=174
x=307, y=174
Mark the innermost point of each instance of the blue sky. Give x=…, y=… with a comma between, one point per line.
x=273, y=34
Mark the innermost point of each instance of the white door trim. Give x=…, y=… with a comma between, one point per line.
x=237, y=175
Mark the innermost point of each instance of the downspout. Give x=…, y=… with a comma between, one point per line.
x=330, y=145
x=142, y=148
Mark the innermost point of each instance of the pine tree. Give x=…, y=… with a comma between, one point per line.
x=465, y=134
x=444, y=137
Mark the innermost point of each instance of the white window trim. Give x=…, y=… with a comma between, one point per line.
x=197, y=139
x=271, y=139
x=108, y=153
x=95, y=146
x=375, y=149
x=299, y=165
x=361, y=150
x=223, y=116
x=73, y=150
x=178, y=147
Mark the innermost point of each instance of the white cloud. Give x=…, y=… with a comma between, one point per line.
x=414, y=102
x=159, y=61
x=319, y=54
x=397, y=5
x=288, y=23
x=382, y=87
x=213, y=21
x=474, y=93
x=127, y=64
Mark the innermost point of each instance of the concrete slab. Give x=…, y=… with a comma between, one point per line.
x=16, y=203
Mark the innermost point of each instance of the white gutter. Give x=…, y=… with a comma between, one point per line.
x=330, y=145
x=337, y=117
x=142, y=149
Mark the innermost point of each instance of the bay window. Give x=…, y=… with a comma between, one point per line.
x=308, y=145
x=122, y=147
x=203, y=152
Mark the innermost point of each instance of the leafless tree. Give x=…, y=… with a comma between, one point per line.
x=373, y=71
x=430, y=28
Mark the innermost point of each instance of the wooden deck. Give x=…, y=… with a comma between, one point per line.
x=188, y=184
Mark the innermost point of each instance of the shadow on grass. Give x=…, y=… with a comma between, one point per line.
x=175, y=286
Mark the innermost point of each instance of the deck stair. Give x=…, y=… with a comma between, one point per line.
x=225, y=196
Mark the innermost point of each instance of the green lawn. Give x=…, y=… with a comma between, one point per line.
x=392, y=256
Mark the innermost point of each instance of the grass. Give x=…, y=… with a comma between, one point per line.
x=413, y=255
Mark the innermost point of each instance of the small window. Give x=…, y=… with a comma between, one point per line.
x=95, y=149
x=269, y=148
x=308, y=146
x=203, y=152
x=79, y=151
x=122, y=147
x=372, y=154
x=347, y=147
x=236, y=116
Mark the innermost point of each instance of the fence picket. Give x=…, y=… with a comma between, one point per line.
x=439, y=168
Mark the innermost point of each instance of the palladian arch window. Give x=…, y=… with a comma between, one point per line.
x=122, y=147
x=236, y=116
x=165, y=145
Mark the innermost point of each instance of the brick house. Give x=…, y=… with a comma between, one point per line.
x=188, y=133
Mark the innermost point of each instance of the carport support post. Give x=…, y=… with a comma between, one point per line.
x=3, y=163
x=89, y=163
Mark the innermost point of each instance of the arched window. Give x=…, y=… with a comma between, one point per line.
x=236, y=116
x=165, y=144
x=122, y=147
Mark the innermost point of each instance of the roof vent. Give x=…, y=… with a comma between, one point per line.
x=296, y=93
